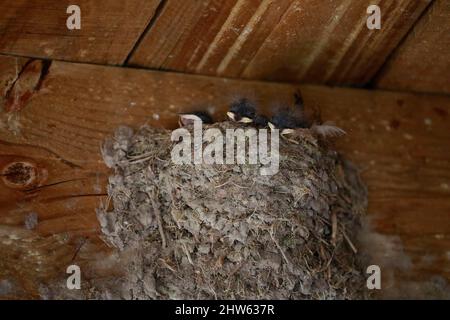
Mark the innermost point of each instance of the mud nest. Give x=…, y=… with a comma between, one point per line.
x=221, y=231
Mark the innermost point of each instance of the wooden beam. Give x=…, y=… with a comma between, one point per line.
x=398, y=140
x=109, y=31
x=422, y=62
x=286, y=40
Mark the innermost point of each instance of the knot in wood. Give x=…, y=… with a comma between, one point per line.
x=19, y=174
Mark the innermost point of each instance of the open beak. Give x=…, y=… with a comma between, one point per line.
x=231, y=115
x=286, y=132
x=245, y=120
x=187, y=119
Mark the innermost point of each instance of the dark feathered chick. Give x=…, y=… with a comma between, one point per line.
x=189, y=118
x=291, y=118
x=288, y=120
x=260, y=120
x=242, y=111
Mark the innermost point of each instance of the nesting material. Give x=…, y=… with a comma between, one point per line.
x=225, y=231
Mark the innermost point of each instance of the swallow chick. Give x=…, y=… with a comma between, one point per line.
x=261, y=120
x=186, y=119
x=286, y=122
x=289, y=125
x=242, y=111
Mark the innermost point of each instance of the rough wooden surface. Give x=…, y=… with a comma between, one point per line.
x=313, y=41
x=109, y=30
x=422, y=62
x=287, y=40
x=52, y=141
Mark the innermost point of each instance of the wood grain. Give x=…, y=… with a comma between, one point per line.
x=109, y=30
x=422, y=62
x=311, y=41
x=398, y=140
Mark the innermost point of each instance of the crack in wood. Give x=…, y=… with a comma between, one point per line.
x=159, y=9
x=29, y=81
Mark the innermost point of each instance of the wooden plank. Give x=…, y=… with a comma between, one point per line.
x=109, y=31
x=400, y=142
x=287, y=40
x=422, y=62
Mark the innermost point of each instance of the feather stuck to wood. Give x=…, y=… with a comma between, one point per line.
x=328, y=130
